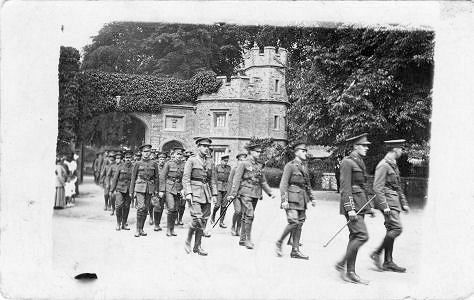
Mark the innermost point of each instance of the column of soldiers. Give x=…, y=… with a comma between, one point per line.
x=197, y=181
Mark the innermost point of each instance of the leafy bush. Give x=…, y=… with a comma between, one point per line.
x=273, y=176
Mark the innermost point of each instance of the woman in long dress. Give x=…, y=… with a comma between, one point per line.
x=61, y=175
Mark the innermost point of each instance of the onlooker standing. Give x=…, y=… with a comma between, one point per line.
x=61, y=175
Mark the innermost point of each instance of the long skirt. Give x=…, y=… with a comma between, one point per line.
x=60, y=198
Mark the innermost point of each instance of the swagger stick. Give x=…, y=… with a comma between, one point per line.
x=370, y=200
x=222, y=212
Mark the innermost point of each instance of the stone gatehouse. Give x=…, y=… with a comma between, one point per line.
x=254, y=103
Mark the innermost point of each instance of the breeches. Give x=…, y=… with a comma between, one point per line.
x=358, y=230
x=172, y=202
x=199, y=213
x=161, y=205
x=122, y=200
x=393, y=224
x=295, y=217
x=237, y=205
x=221, y=199
x=143, y=202
x=248, y=208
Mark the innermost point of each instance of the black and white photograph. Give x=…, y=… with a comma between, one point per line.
x=236, y=150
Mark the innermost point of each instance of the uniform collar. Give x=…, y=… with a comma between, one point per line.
x=355, y=155
x=389, y=160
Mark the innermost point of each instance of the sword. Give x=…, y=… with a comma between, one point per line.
x=330, y=240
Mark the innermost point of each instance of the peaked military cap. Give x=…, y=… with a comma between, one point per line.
x=241, y=154
x=128, y=153
x=203, y=141
x=162, y=154
x=225, y=156
x=138, y=153
x=359, y=140
x=253, y=146
x=118, y=153
x=188, y=153
x=395, y=143
x=145, y=147
x=299, y=145
x=178, y=149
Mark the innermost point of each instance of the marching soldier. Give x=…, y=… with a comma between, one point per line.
x=171, y=187
x=144, y=183
x=157, y=211
x=237, y=217
x=108, y=159
x=136, y=158
x=353, y=198
x=391, y=200
x=295, y=189
x=96, y=167
x=248, y=182
x=110, y=174
x=120, y=185
x=199, y=182
x=223, y=172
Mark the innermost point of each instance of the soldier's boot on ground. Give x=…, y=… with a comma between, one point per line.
x=142, y=224
x=248, y=231
x=150, y=212
x=213, y=216
x=187, y=243
x=170, y=222
x=243, y=236
x=197, y=243
x=288, y=229
x=340, y=266
x=157, y=219
x=221, y=223
x=137, y=233
x=350, y=275
x=388, y=264
x=205, y=233
x=295, y=251
x=233, y=228
x=181, y=214
x=106, y=199
x=119, y=219
x=238, y=229
x=112, y=205
x=125, y=211
x=375, y=256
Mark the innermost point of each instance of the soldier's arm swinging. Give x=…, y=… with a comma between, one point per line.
x=133, y=179
x=157, y=178
x=284, y=183
x=163, y=176
x=113, y=182
x=237, y=179
x=186, y=180
x=380, y=178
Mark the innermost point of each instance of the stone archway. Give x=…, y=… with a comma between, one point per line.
x=168, y=146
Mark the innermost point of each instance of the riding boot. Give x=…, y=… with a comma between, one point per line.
x=243, y=236
x=222, y=216
x=187, y=244
x=157, y=218
x=180, y=215
x=170, y=224
x=137, y=234
x=106, y=199
x=213, y=217
x=248, y=230
x=142, y=224
x=150, y=212
x=295, y=251
x=197, y=243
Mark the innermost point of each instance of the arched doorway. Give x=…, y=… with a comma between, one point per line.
x=168, y=146
x=135, y=132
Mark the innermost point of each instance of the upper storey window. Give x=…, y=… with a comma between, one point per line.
x=220, y=119
x=277, y=86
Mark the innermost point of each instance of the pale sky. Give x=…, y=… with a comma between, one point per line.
x=82, y=20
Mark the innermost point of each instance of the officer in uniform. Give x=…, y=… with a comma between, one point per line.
x=103, y=174
x=223, y=172
x=120, y=185
x=353, y=197
x=157, y=210
x=391, y=200
x=295, y=189
x=199, y=183
x=248, y=182
x=136, y=158
x=237, y=217
x=171, y=187
x=110, y=174
x=144, y=183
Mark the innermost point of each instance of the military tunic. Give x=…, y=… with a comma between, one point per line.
x=108, y=179
x=223, y=173
x=144, y=183
x=389, y=192
x=170, y=183
x=295, y=188
x=199, y=180
x=120, y=186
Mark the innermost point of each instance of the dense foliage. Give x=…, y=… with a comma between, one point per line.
x=340, y=80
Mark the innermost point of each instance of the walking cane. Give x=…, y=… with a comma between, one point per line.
x=370, y=200
x=222, y=212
